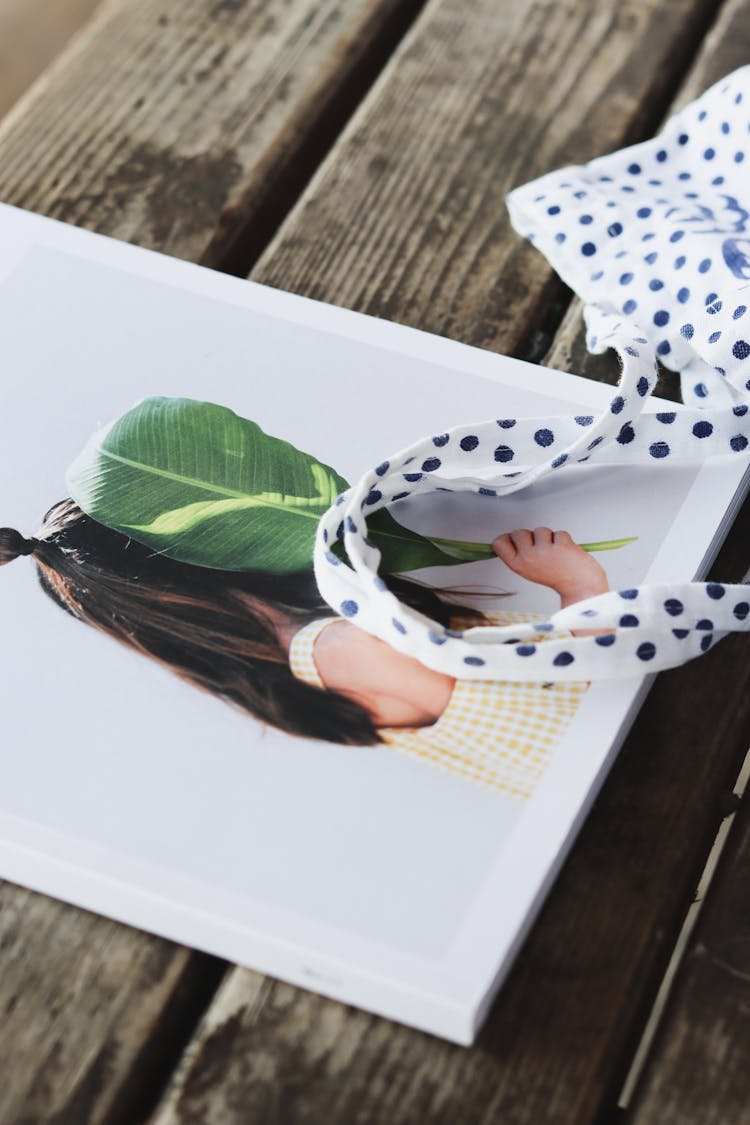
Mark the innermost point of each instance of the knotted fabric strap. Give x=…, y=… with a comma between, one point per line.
x=656, y=241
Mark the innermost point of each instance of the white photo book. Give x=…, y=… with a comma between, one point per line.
x=214, y=777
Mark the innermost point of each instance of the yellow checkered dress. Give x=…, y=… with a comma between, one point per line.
x=498, y=734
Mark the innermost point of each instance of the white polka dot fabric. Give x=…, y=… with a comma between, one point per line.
x=656, y=240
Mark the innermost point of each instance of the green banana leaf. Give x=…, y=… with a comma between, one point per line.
x=202, y=485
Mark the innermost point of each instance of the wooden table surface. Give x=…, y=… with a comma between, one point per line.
x=359, y=151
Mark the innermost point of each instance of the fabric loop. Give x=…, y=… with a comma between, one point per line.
x=656, y=240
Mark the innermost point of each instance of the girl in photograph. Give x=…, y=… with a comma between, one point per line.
x=268, y=644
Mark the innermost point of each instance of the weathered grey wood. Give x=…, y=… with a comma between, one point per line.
x=697, y=1072
x=406, y=220
x=168, y=123
x=182, y=126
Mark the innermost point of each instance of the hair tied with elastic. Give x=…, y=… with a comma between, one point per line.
x=13, y=544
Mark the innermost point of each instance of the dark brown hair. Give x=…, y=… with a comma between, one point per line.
x=215, y=628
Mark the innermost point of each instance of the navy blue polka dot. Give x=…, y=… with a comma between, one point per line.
x=631, y=351
x=739, y=157
x=436, y=638
x=544, y=438
x=739, y=411
x=629, y=307
x=655, y=285
x=475, y=661
x=373, y=496
x=351, y=525
x=626, y=434
x=643, y=212
x=646, y=651
x=667, y=417
x=706, y=643
x=661, y=155
x=709, y=154
x=614, y=229
x=715, y=591
x=661, y=318
x=626, y=278
x=617, y=404
x=605, y=639
x=412, y=476
x=738, y=443
x=714, y=337
x=741, y=349
x=642, y=386
x=687, y=331
x=682, y=139
x=400, y=495
x=663, y=348
x=585, y=220
x=629, y=621
x=584, y=419
x=680, y=634
x=701, y=390
x=471, y=441
x=563, y=659
x=506, y=423
x=628, y=595
x=674, y=607
x=558, y=461
x=741, y=610
x=651, y=258
x=588, y=249
x=560, y=237
x=739, y=311
x=504, y=453
x=659, y=449
x=398, y=625
x=677, y=236
x=440, y=440
x=704, y=266
x=431, y=464
x=487, y=492
x=554, y=210
x=634, y=169
x=349, y=608
x=683, y=295
x=702, y=429
x=704, y=625
x=382, y=468
x=680, y=262
x=525, y=650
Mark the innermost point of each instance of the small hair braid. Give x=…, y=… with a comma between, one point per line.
x=13, y=544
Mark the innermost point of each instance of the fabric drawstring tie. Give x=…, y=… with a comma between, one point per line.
x=656, y=241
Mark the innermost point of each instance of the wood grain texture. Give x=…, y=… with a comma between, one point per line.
x=175, y=124
x=697, y=1072
x=406, y=220
x=167, y=123
x=83, y=1000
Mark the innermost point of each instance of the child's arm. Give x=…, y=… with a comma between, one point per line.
x=397, y=690
x=553, y=559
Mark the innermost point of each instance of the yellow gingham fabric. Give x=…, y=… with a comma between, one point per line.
x=497, y=734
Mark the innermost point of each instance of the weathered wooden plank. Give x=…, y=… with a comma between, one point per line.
x=170, y=123
x=697, y=1071
x=31, y=34
x=189, y=126
x=406, y=220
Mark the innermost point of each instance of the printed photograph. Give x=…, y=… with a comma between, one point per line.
x=193, y=741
